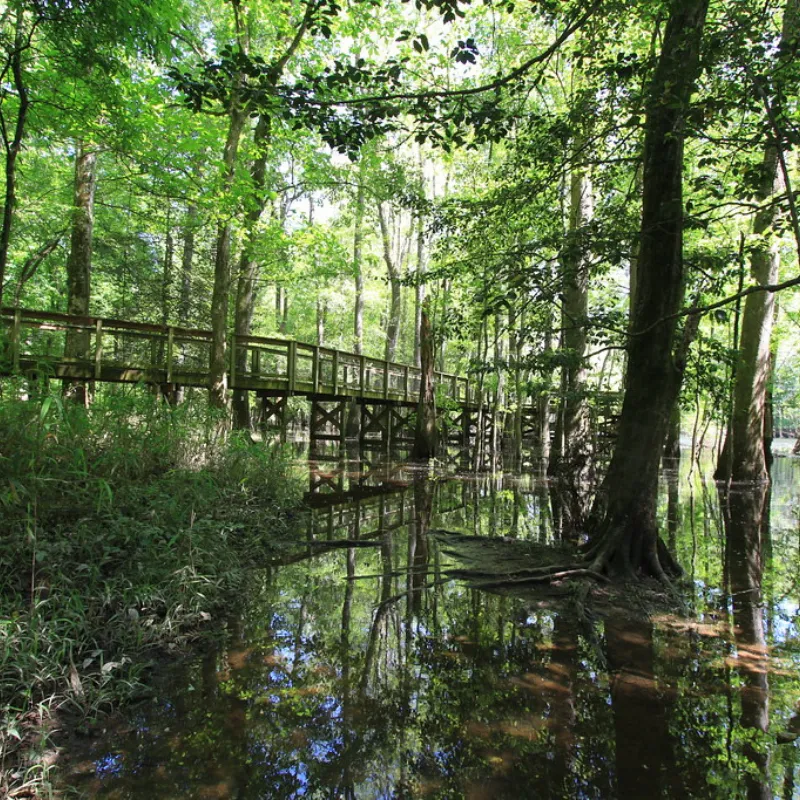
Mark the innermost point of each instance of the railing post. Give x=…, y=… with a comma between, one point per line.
x=335, y=375
x=362, y=373
x=232, y=369
x=385, y=380
x=454, y=388
x=291, y=366
x=315, y=368
x=405, y=382
x=170, y=351
x=255, y=365
x=98, y=349
x=15, y=339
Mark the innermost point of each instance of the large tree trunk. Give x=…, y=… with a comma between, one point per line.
x=79, y=263
x=248, y=265
x=624, y=534
x=393, y=271
x=13, y=145
x=218, y=366
x=745, y=460
x=753, y=367
x=425, y=440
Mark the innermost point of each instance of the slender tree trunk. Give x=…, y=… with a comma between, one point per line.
x=322, y=314
x=393, y=320
x=187, y=257
x=79, y=263
x=574, y=463
x=672, y=448
x=624, y=534
x=166, y=278
x=218, y=367
x=419, y=287
x=358, y=275
x=425, y=440
x=248, y=265
x=13, y=146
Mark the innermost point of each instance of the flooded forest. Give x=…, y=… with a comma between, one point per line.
x=399, y=399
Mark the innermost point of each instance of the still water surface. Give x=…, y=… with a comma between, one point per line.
x=363, y=672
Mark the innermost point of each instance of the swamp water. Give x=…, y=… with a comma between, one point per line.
x=364, y=672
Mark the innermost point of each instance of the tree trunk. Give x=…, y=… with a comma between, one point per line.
x=358, y=275
x=218, y=366
x=425, y=440
x=79, y=263
x=13, y=146
x=672, y=448
x=419, y=288
x=322, y=314
x=624, y=531
x=574, y=462
x=393, y=321
x=190, y=224
x=166, y=278
x=248, y=265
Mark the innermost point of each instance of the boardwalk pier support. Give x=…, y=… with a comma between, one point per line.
x=329, y=420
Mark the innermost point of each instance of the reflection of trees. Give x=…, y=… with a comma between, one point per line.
x=744, y=514
x=645, y=764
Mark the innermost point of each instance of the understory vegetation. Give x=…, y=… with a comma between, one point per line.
x=127, y=530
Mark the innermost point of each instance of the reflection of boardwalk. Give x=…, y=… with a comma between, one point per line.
x=366, y=506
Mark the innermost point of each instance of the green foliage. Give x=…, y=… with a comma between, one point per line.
x=124, y=529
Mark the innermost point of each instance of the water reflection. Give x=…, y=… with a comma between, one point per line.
x=358, y=670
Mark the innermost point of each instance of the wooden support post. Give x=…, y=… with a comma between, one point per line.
x=291, y=366
x=385, y=380
x=387, y=430
x=170, y=351
x=453, y=388
x=15, y=339
x=315, y=368
x=405, y=382
x=98, y=349
x=343, y=423
x=233, y=362
x=255, y=363
x=466, y=419
x=362, y=372
x=336, y=372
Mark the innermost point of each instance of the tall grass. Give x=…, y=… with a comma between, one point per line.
x=123, y=528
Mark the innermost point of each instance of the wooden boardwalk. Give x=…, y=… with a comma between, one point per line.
x=33, y=343
x=122, y=351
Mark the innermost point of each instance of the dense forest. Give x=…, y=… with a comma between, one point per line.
x=586, y=211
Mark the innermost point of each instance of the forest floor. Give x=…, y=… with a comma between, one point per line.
x=127, y=531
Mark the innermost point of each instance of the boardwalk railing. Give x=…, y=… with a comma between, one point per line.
x=122, y=351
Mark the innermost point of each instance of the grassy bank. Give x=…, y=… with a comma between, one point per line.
x=123, y=530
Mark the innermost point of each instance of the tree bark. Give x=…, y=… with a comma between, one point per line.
x=13, y=146
x=392, y=269
x=573, y=464
x=218, y=366
x=187, y=257
x=425, y=439
x=248, y=265
x=624, y=534
x=79, y=262
x=419, y=288
x=358, y=275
